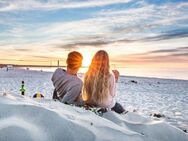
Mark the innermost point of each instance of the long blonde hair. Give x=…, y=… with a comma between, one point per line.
x=96, y=84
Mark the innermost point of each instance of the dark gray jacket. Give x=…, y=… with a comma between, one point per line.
x=68, y=87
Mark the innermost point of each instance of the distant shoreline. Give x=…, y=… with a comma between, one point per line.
x=148, y=77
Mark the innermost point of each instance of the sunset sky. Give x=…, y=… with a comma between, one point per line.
x=142, y=37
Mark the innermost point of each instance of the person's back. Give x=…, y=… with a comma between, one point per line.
x=67, y=85
x=109, y=102
x=100, y=85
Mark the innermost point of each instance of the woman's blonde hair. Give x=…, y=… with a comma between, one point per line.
x=96, y=85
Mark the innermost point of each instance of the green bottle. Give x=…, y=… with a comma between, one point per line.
x=22, y=89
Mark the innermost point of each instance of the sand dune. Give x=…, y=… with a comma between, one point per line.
x=23, y=118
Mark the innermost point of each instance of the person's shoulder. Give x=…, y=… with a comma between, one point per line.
x=59, y=70
x=58, y=73
x=78, y=80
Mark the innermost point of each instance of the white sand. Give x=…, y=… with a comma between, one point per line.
x=26, y=119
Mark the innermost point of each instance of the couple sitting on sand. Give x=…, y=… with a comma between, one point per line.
x=98, y=88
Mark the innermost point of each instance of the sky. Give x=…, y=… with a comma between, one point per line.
x=142, y=37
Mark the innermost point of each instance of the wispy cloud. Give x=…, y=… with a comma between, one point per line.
x=12, y=5
x=180, y=49
x=177, y=56
x=22, y=49
x=169, y=35
x=109, y=25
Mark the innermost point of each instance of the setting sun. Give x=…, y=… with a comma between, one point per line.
x=86, y=59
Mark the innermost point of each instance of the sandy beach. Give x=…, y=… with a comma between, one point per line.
x=25, y=118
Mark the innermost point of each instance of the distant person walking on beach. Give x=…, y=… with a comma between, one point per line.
x=67, y=85
x=99, y=89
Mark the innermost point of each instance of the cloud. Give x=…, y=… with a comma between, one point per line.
x=181, y=55
x=129, y=24
x=184, y=49
x=22, y=50
x=145, y=22
x=47, y=58
x=12, y=5
x=83, y=44
x=104, y=43
x=176, y=55
x=180, y=33
x=147, y=17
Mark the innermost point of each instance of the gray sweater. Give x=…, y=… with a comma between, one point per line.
x=68, y=86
